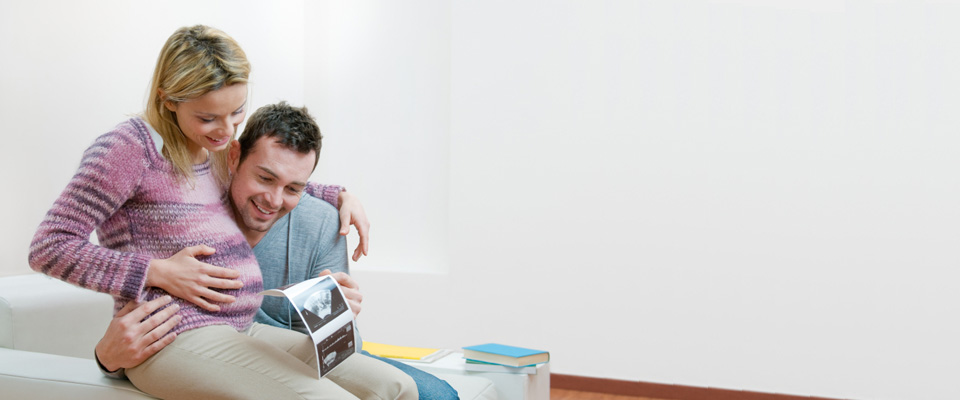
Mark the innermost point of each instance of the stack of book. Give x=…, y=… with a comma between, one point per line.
x=493, y=357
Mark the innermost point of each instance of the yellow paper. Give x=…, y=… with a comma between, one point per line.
x=391, y=351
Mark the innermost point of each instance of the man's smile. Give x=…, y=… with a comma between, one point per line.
x=262, y=210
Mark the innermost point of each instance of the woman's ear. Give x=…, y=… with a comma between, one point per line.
x=167, y=103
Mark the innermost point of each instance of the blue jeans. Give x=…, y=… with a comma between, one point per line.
x=429, y=386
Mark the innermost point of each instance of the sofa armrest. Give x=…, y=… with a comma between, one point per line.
x=32, y=375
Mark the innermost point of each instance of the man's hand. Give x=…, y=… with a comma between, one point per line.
x=350, y=289
x=130, y=339
x=183, y=276
x=352, y=213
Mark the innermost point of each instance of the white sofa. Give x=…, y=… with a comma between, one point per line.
x=48, y=330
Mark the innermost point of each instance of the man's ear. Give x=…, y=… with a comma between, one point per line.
x=233, y=156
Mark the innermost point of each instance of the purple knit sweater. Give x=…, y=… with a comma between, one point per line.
x=128, y=192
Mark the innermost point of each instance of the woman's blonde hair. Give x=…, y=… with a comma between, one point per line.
x=195, y=61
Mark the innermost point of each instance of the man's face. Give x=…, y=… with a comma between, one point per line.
x=266, y=185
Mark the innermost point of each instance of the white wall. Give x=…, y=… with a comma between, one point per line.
x=747, y=195
x=739, y=194
x=381, y=93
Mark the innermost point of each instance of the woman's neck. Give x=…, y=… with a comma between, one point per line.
x=198, y=154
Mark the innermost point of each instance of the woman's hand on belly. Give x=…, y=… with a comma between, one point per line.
x=184, y=276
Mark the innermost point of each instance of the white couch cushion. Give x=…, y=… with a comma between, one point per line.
x=32, y=375
x=42, y=314
x=471, y=387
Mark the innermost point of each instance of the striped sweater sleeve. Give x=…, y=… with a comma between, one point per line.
x=327, y=193
x=109, y=174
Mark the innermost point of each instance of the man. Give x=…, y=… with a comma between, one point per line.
x=294, y=237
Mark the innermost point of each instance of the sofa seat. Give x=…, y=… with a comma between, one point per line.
x=32, y=375
x=48, y=330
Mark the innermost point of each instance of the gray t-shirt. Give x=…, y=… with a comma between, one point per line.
x=299, y=246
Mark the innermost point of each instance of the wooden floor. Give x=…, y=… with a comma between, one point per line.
x=563, y=394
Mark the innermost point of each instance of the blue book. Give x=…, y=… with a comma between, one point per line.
x=482, y=366
x=505, y=355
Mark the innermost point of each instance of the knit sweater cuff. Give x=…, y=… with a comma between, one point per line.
x=327, y=193
x=331, y=194
x=136, y=277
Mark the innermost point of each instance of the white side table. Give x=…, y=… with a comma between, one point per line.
x=509, y=386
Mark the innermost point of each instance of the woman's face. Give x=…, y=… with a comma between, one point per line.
x=209, y=121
